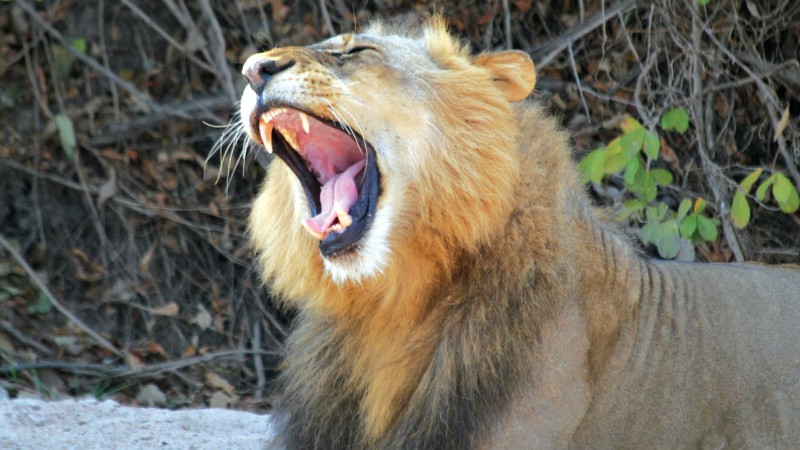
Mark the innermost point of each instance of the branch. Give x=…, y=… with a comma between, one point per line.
x=9, y=328
x=57, y=304
x=88, y=60
x=561, y=43
x=705, y=139
x=326, y=17
x=125, y=371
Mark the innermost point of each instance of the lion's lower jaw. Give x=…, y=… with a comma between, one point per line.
x=371, y=257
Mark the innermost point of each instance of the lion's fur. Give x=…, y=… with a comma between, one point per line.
x=492, y=241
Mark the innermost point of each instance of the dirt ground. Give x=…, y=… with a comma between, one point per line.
x=93, y=425
x=125, y=273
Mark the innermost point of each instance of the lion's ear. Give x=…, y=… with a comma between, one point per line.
x=513, y=71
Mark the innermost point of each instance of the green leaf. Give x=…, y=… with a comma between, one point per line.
x=793, y=204
x=79, y=44
x=629, y=208
x=740, y=211
x=650, y=232
x=688, y=226
x=699, y=205
x=41, y=306
x=652, y=145
x=761, y=192
x=615, y=162
x=629, y=124
x=633, y=167
x=632, y=141
x=702, y=2
x=675, y=119
x=662, y=210
x=749, y=180
x=668, y=241
x=648, y=188
x=633, y=206
x=66, y=134
x=782, y=188
x=684, y=207
x=706, y=228
x=654, y=214
x=785, y=194
x=591, y=166
x=661, y=176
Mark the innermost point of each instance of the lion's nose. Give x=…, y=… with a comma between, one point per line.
x=258, y=70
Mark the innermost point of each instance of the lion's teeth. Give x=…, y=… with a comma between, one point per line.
x=290, y=137
x=265, y=129
x=269, y=115
x=344, y=218
x=304, y=121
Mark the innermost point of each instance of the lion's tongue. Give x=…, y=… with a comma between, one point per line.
x=338, y=195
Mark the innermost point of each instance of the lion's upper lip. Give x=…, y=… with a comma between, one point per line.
x=336, y=168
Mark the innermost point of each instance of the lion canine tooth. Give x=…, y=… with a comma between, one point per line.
x=265, y=129
x=304, y=121
x=344, y=218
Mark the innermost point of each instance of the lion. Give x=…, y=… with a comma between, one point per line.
x=455, y=286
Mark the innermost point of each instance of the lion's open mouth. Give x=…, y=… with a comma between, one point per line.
x=336, y=168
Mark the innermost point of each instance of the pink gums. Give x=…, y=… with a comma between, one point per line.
x=336, y=160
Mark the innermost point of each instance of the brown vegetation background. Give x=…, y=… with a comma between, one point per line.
x=124, y=268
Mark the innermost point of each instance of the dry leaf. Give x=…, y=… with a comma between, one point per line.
x=212, y=207
x=108, y=189
x=781, y=124
x=217, y=382
x=155, y=347
x=70, y=344
x=669, y=156
x=144, y=262
x=133, y=361
x=753, y=8
x=6, y=345
x=203, y=318
x=171, y=309
x=189, y=351
x=151, y=395
x=222, y=400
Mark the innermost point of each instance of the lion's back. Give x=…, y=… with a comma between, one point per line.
x=714, y=361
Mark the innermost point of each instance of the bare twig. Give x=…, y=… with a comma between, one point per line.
x=57, y=304
x=579, y=84
x=507, y=24
x=705, y=138
x=773, y=107
x=258, y=362
x=166, y=36
x=326, y=17
x=543, y=55
x=217, y=41
x=104, y=56
x=200, y=109
x=89, y=61
x=171, y=366
x=9, y=328
x=125, y=371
